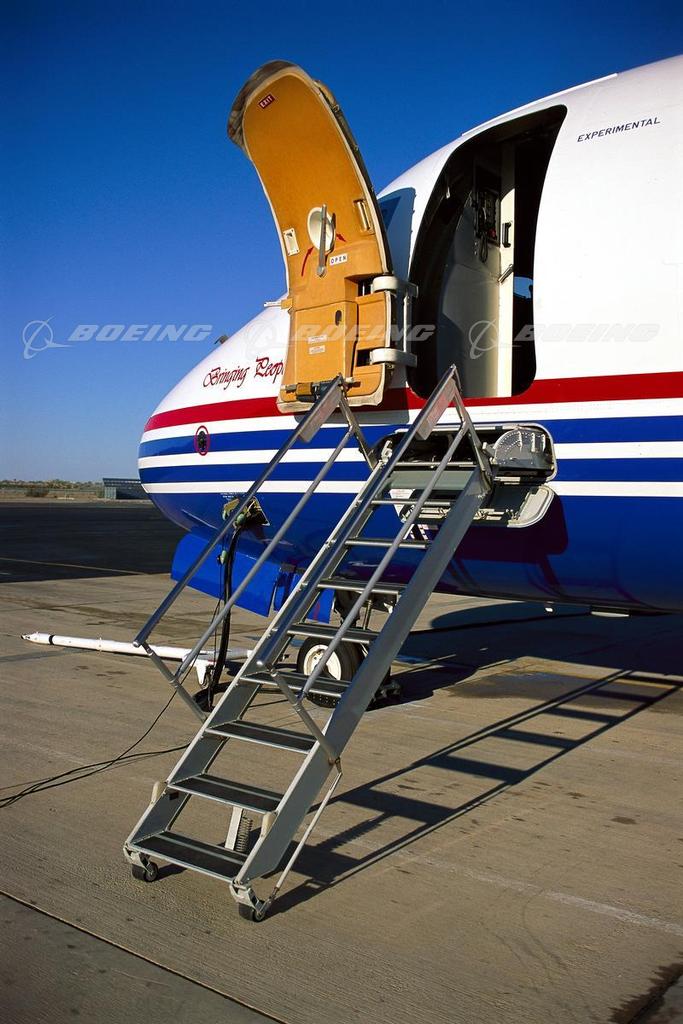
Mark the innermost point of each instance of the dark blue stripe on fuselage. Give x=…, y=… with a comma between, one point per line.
x=647, y=428
x=256, y=440
x=285, y=471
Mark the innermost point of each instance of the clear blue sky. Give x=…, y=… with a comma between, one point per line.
x=123, y=201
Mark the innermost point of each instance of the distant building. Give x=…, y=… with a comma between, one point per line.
x=118, y=487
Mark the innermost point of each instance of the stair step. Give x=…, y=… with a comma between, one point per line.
x=191, y=853
x=321, y=632
x=251, y=798
x=269, y=736
x=323, y=687
x=354, y=587
x=384, y=542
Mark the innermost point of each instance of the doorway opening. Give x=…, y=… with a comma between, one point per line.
x=474, y=260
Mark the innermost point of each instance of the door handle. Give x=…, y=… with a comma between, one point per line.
x=322, y=247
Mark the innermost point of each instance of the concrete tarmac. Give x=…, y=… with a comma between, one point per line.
x=504, y=847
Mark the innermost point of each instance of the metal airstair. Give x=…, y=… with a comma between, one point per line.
x=437, y=497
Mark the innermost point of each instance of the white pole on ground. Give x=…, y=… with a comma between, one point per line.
x=82, y=643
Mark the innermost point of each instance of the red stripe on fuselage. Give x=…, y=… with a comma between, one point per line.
x=622, y=387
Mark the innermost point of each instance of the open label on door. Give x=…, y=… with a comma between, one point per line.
x=331, y=233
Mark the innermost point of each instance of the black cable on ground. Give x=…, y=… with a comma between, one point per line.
x=62, y=779
x=86, y=770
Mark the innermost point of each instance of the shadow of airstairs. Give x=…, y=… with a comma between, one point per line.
x=589, y=711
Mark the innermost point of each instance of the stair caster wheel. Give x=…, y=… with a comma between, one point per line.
x=147, y=873
x=252, y=913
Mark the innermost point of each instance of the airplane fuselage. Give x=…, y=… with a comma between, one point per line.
x=586, y=343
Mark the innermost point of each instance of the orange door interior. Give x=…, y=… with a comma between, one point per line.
x=330, y=229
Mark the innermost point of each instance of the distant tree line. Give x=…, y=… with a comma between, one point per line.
x=41, y=488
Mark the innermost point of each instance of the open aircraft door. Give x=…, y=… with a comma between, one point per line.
x=341, y=296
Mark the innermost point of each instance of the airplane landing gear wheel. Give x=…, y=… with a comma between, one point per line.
x=342, y=665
